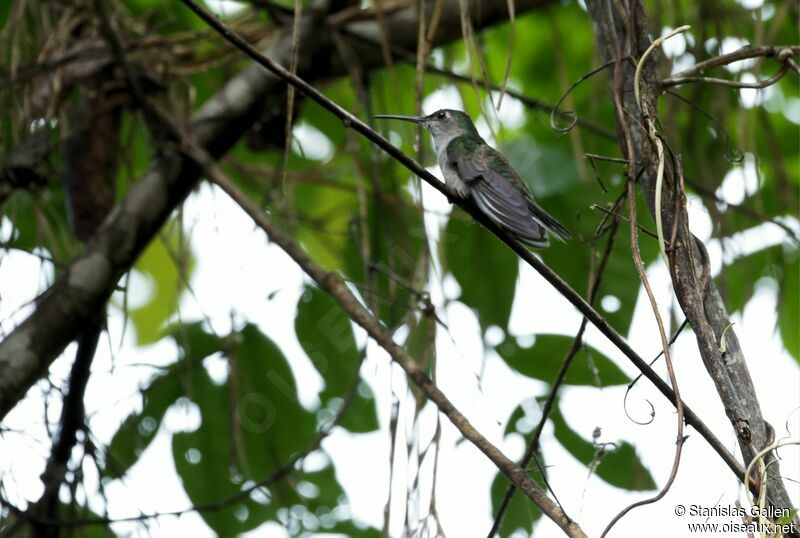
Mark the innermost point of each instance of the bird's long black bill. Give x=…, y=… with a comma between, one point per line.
x=413, y=119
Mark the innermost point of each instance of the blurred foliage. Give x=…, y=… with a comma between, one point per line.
x=358, y=213
x=616, y=463
x=543, y=360
x=326, y=335
x=167, y=266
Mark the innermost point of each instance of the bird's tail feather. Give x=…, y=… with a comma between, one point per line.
x=550, y=224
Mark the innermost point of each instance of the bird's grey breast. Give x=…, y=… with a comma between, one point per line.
x=450, y=173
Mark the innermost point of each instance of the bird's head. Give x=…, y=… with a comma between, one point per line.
x=442, y=124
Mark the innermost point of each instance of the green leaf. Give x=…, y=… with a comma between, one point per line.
x=137, y=431
x=361, y=416
x=271, y=424
x=548, y=169
x=544, y=359
x=789, y=308
x=249, y=429
x=157, y=264
x=193, y=340
x=40, y=220
x=521, y=513
x=737, y=280
x=395, y=233
x=140, y=427
x=326, y=212
x=618, y=466
x=5, y=8
x=203, y=461
x=326, y=335
x=252, y=425
x=484, y=267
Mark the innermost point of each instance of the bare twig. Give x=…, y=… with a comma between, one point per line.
x=783, y=53
x=530, y=102
x=749, y=212
x=72, y=421
x=674, y=81
x=572, y=118
x=617, y=216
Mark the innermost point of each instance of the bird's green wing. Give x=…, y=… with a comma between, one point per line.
x=490, y=180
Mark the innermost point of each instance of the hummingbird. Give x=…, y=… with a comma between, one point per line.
x=475, y=170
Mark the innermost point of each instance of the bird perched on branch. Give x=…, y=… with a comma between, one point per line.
x=473, y=169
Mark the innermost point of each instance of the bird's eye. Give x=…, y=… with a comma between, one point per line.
x=441, y=114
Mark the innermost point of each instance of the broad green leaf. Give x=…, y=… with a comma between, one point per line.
x=484, y=267
x=203, y=461
x=194, y=341
x=251, y=426
x=158, y=263
x=361, y=415
x=326, y=335
x=271, y=424
x=518, y=414
x=5, y=8
x=342, y=92
x=40, y=220
x=137, y=431
x=521, y=513
x=544, y=359
x=737, y=280
x=140, y=427
x=325, y=213
x=548, y=169
x=618, y=466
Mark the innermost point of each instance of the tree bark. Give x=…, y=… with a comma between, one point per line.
x=621, y=34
